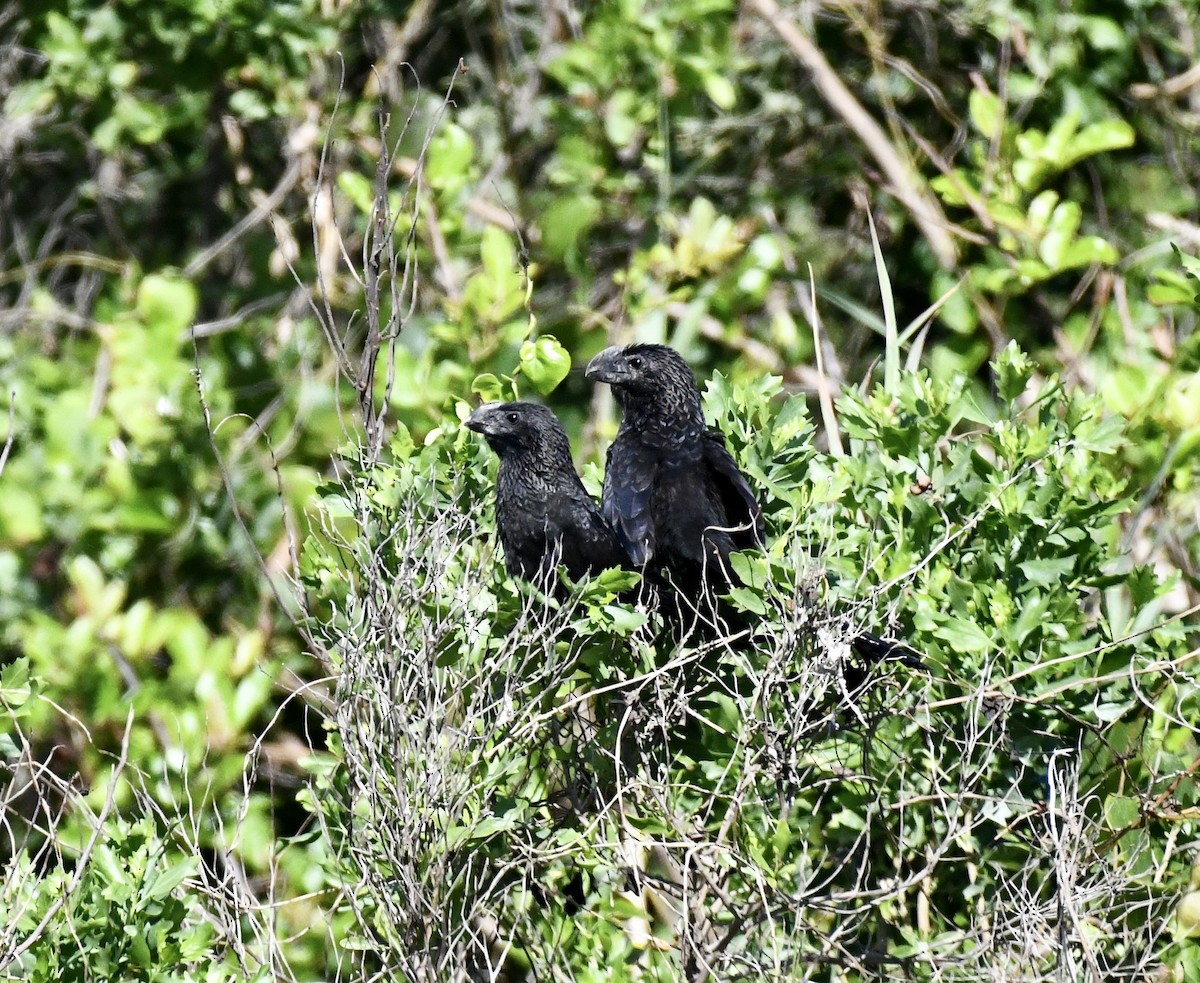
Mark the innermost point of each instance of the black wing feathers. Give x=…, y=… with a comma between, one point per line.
x=586, y=540
x=630, y=475
x=740, y=505
x=675, y=509
x=564, y=528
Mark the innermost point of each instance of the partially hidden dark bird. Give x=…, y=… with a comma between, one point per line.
x=544, y=515
x=545, y=519
x=673, y=493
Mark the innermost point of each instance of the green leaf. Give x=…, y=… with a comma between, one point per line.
x=891, y=350
x=1008, y=216
x=720, y=90
x=616, y=580
x=622, y=620
x=1190, y=264
x=122, y=74
x=1064, y=224
x=140, y=515
x=1029, y=173
x=565, y=221
x=1105, y=34
x=14, y=683
x=620, y=120
x=490, y=826
x=751, y=568
x=746, y=598
x=1047, y=572
x=1054, y=150
x=448, y=160
x=166, y=301
x=1103, y=437
x=497, y=254
x=1110, y=134
x=545, y=363
x=1171, y=288
x=145, y=122
x=138, y=946
x=88, y=579
x=488, y=387
x=1013, y=369
x=358, y=189
x=248, y=104
x=1040, y=210
x=1031, y=271
x=172, y=877
x=1085, y=251
x=1121, y=811
x=986, y=112
x=963, y=635
x=954, y=187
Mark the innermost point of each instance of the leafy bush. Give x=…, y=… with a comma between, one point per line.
x=665, y=171
x=551, y=786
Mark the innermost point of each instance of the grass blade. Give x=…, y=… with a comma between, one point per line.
x=891, y=352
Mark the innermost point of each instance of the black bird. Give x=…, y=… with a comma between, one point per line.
x=544, y=515
x=673, y=492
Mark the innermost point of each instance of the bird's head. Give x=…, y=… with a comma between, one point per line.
x=655, y=373
x=520, y=427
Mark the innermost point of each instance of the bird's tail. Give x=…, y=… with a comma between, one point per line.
x=874, y=649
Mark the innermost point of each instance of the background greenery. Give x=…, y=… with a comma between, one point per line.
x=210, y=212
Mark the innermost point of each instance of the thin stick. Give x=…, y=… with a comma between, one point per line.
x=12, y=429
x=823, y=394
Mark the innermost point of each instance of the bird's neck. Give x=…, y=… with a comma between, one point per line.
x=663, y=420
x=535, y=472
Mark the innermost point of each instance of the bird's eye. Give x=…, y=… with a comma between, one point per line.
x=512, y=418
x=635, y=362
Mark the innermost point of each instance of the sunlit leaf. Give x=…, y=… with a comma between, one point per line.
x=545, y=363
x=986, y=112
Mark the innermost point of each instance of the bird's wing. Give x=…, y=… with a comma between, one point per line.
x=629, y=476
x=875, y=649
x=741, y=505
x=605, y=550
x=588, y=541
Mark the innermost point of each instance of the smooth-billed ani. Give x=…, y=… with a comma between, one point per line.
x=544, y=515
x=672, y=491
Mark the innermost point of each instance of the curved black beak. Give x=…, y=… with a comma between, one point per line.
x=480, y=421
x=608, y=366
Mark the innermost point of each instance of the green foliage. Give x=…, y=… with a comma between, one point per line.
x=107, y=70
x=126, y=919
x=665, y=171
x=989, y=532
x=545, y=363
x=1035, y=233
x=1180, y=286
x=633, y=69
x=128, y=580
